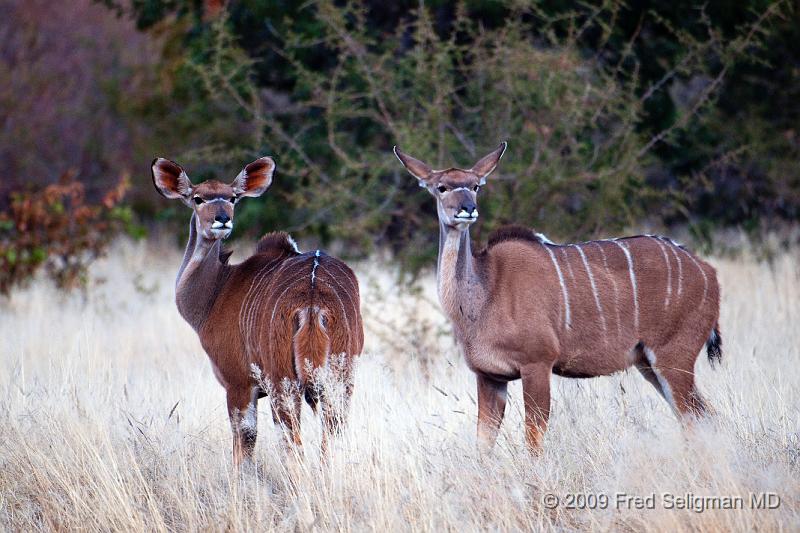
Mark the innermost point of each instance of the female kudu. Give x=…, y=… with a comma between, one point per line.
x=524, y=307
x=270, y=321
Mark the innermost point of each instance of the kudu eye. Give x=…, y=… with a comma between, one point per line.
x=476, y=188
x=233, y=199
x=198, y=200
x=441, y=188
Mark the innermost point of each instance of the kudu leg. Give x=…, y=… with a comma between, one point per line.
x=536, y=391
x=286, y=412
x=491, y=408
x=689, y=403
x=243, y=415
x=675, y=383
x=334, y=414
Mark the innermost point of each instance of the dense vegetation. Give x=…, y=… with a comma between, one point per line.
x=616, y=112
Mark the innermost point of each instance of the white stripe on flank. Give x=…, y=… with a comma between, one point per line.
x=569, y=265
x=278, y=301
x=594, y=287
x=249, y=303
x=341, y=306
x=345, y=275
x=633, y=283
x=669, y=270
x=705, y=278
x=564, y=293
x=314, y=268
x=348, y=293
x=613, y=285
x=259, y=295
x=680, y=264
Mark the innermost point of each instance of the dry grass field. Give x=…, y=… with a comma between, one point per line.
x=111, y=419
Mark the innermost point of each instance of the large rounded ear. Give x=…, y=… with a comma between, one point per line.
x=488, y=163
x=170, y=180
x=255, y=178
x=417, y=168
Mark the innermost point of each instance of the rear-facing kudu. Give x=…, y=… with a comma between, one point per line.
x=270, y=323
x=525, y=308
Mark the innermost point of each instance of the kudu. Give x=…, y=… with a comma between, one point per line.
x=269, y=322
x=524, y=307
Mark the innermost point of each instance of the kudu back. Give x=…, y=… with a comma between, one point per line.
x=524, y=307
x=271, y=324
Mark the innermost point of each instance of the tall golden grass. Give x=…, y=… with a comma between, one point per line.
x=111, y=419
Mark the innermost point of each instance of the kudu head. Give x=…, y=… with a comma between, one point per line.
x=455, y=189
x=212, y=201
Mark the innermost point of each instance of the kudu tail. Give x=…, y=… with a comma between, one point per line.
x=311, y=346
x=714, y=346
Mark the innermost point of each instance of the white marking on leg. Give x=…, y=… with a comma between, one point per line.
x=669, y=270
x=594, y=287
x=666, y=390
x=249, y=420
x=633, y=283
x=564, y=293
x=613, y=286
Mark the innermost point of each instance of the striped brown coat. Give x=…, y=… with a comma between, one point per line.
x=270, y=323
x=525, y=308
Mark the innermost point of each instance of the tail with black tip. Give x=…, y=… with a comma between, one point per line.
x=714, y=346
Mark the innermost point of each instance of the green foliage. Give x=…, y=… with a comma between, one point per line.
x=615, y=112
x=579, y=146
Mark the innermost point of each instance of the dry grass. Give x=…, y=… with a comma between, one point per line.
x=111, y=419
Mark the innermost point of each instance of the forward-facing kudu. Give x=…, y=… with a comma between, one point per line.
x=525, y=308
x=270, y=322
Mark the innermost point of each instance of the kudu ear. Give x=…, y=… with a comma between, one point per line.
x=488, y=163
x=171, y=180
x=255, y=178
x=415, y=167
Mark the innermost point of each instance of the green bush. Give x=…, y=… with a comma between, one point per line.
x=600, y=135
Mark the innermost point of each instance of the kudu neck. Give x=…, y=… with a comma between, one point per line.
x=460, y=286
x=200, y=277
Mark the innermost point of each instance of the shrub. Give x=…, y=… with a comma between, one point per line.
x=613, y=111
x=578, y=154
x=56, y=229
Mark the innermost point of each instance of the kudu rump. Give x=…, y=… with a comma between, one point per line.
x=524, y=307
x=270, y=322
